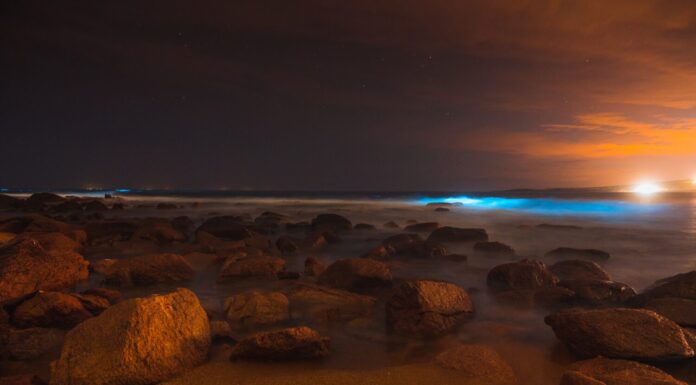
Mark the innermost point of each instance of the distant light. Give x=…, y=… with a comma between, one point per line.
x=647, y=188
x=694, y=181
x=123, y=190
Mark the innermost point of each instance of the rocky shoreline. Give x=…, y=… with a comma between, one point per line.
x=73, y=278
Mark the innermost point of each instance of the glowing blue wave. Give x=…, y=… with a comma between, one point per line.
x=551, y=206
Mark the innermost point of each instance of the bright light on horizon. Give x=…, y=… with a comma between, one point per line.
x=647, y=188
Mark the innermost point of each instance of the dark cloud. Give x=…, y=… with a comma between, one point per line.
x=313, y=94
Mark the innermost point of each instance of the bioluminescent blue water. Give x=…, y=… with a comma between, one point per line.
x=552, y=206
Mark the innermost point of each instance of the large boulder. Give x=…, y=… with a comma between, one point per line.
x=477, y=364
x=621, y=333
x=298, y=343
x=327, y=305
x=521, y=275
x=680, y=310
x=266, y=267
x=605, y=371
x=25, y=267
x=677, y=286
x=333, y=223
x=356, y=274
x=255, y=308
x=50, y=309
x=423, y=307
x=139, y=341
x=578, y=269
x=571, y=253
x=456, y=234
x=148, y=269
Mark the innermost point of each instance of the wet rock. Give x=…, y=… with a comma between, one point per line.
x=680, y=310
x=327, y=305
x=478, y=363
x=25, y=266
x=391, y=225
x=138, y=341
x=45, y=198
x=148, y=269
x=620, y=333
x=159, y=231
x=578, y=269
x=333, y=223
x=423, y=307
x=598, y=292
x=70, y=206
x=522, y=275
x=183, y=224
x=288, y=275
x=166, y=206
x=6, y=237
x=494, y=249
x=286, y=246
x=314, y=242
x=570, y=253
x=8, y=202
x=677, y=286
x=356, y=274
x=95, y=206
x=364, y=227
x=22, y=379
x=455, y=257
x=93, y=303
x=52, y=241
x=32, y=343
x=605, y=371
x=551, y=297
x=255, y=308
x=298, y=226
x=249, y=267
x=456, y=234
x=113, y=296
x=226, y=227
x=424, y=227
x=105, y=231
x=269, y=219
x=297, y=343
x=118, y=207
x=409, y=245
x=442, y=210
x=50, y=309
x=221, y=330
x=313, y=267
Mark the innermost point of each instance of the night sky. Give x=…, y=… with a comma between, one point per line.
x=346, y=95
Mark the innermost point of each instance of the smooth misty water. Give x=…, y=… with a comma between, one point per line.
x=648, y=240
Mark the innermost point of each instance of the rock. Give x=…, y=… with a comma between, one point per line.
x=456, y=257
x=677, y=286
x=550, y=297
x=328, y=305
x=159, y=231
x=424, y=227
x=680, y=310
x=6, y=237
x=255, y=308
x=149, y=269
x=578, y=269
x=597, y=292
x=391, y=225
x=8, y=202
x=522, y=275
x=284, y=274
x=364, y=227
x=45, y=197
x=32, y=343
x=478, y=363
x=314, y=242
x=22, y=379
x=410, y=245
x=118, y=207
x=570, y=253
x=138, y=341
x=221, y=330
x=113, y=296
x=93, y=303
x=494, y=249
x=50, y=309
x=298, y=343
x=620, y=333
x=52, y=241
x=313, y=267
x=226, y=227
x=183, y=224
x=25, y=267
x=331, y=222
x=605, y=371
x=548, y=226
x=442, y=210
x=430, y=308
x=110, y=230
x=166, y=206
x=69, y=206
x=249, y=267
x=456, y=234
x=95, y=206
x=286, y=246
x=356, y=274
x=269, y=219
x=298, y=226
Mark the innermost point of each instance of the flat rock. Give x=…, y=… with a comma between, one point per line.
x=456, y=234
x=356, y=274
x=298, y=343
x=605, y=371
x=138, y=341
x=578, y=269
x=148, y=269
x=25, y=267
x=494, y=249
x=423, y=307
x=328, y=305
x=521, y=275
x=621, y=333
x=266, y=267
x=50, y=309
x=477, y=364
x=256, y=308
x=571, y=253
